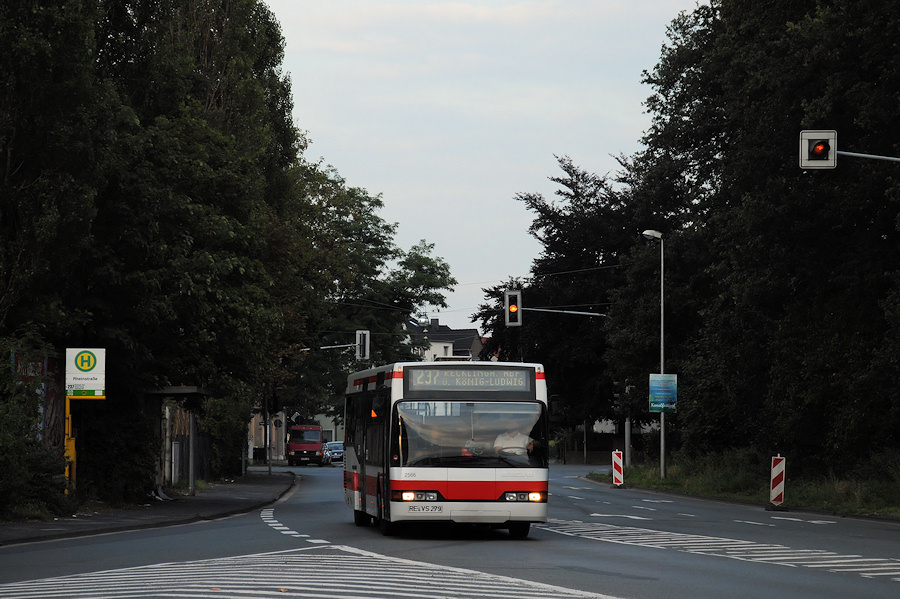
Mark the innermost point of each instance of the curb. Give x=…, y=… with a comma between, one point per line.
x=180, y=521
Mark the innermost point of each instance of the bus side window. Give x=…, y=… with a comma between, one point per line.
x=350, y=424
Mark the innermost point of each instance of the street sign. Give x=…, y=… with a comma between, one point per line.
x=663, y=392
x=86, y=373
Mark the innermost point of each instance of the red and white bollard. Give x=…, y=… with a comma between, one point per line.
x=776, y=492
x=617, y=468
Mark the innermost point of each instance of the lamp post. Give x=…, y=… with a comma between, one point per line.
x=652, y=234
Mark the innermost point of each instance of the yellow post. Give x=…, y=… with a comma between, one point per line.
x=70, y=447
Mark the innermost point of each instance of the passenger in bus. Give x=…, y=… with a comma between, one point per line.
x=513, y=441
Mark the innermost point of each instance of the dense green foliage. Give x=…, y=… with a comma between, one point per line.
x=31, y=476
x=154, y=201
x=781, y=285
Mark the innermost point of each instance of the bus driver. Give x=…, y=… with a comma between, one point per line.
x=513, y=441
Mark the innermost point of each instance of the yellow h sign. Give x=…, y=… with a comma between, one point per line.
x=85, y=361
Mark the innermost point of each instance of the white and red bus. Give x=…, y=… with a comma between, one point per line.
x=447, y=442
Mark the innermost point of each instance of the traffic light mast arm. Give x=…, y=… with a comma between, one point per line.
x=872, y=156
x=361, y=345
x=563, y=311
x=818, y=150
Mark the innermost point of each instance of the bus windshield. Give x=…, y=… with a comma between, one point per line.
x=470, y=434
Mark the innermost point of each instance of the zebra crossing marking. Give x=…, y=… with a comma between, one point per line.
x=323, y=572
x=730, y=548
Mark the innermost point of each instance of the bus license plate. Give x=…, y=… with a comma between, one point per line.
x=425, y=508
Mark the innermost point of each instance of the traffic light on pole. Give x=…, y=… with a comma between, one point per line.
x=272, y=404
x=512, y=307
x=362, y=344
x=818, y=149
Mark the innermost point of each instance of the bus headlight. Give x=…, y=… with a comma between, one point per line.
x=414, y=496
x=533, y=497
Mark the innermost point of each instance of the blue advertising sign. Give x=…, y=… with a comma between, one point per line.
x=663, y=392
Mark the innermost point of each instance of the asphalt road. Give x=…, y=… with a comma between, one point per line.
x=600, y=542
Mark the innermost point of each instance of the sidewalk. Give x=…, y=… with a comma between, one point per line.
x=253, y=491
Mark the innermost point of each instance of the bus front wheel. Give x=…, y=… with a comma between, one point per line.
x=387, y=527
x=361, y=518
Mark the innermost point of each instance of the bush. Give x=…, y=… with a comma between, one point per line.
x=32, y=482
x=118, y=453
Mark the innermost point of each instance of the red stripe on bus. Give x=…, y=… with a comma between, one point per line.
x=468, y=489
x=389, y=374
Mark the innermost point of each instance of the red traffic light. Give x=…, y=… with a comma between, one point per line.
x=819, y=149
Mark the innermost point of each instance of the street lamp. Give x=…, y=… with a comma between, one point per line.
x=652, y=234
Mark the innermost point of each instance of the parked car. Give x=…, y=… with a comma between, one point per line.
x=337, y=450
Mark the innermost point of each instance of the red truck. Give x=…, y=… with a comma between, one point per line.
x=305, y=445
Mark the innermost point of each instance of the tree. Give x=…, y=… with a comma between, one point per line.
x=53, y=154
x=781, y=285
x=164, y=211
x=583, y=233
x=30, y=481
x=782, y=277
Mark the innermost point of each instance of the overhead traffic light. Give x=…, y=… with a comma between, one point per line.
x=273, y=403
x=362, y=345
x=512, y=307
x=818, y=149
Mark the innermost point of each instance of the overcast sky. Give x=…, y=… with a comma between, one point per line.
x=450, y=109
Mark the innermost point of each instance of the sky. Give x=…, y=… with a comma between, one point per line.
x=449, y=110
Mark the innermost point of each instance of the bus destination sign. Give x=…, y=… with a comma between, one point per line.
x=468, y=379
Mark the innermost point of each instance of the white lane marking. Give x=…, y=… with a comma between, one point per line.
x=266, y=516
x=788, y=519
x=754, y=523
x=749, y=551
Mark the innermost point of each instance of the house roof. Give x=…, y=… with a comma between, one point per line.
x=434, y=332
